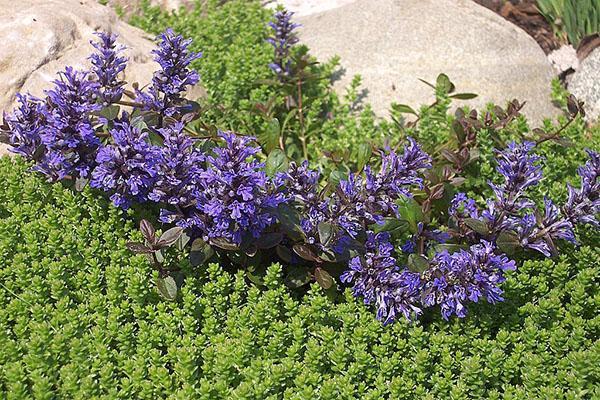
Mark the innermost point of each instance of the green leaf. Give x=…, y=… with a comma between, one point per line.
x=277, y=161
x=410, y=211
x=390, y=224
x=404, y=108
x=170, y=236
x=417, y=263
x=323, y=278
x=284, y=253
x=270, y=137
x=296, y=277
x=363, y=154
x=459, y=131
x=463, y=96
x=478, y=226
x=289, y=220
x=110, y=113
x=183, y=240
x=201, y=252
x=167, y=287
x=326, y=232
x=508, y=242
x=269, y=240
x=443, y=82
x=335, y=177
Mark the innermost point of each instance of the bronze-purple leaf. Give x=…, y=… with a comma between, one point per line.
x=138, y=247
x=170, y=236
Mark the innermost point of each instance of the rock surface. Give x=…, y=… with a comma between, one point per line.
x=392, y=43
x=308, y=7
x=585, y=84
x=41, y=37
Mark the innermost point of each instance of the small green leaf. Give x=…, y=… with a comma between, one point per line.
x=463, y=96
x=326, y=232
x=183, y=240
x=201, y=252
x=296, y=277
x=335, y=177
x=269, y=240
x=277, y=161
x=410, y=211
x=167, y=287
x=478, y=226
x=404, y=108
x=443, y=82
x=417, y=263
x=110, y=113
x=391, y=225
x=363, y=154
x=508, y=242
x=323, y=278
x=270, y=138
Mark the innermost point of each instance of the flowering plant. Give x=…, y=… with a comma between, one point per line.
x=396, y=231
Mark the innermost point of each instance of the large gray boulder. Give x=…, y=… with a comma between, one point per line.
x=392, y=43
x=40, y=37
x=585, y=84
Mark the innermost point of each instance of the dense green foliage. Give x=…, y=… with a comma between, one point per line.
x=78, y=320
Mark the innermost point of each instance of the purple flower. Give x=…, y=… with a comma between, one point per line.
x=302, y=187
x=520, y=171
x=25, y=125
x=458, y=278
x=169, y=83
x=397, y=174
x=68, y=134
x=379, y=281
x=127, y=168
x=540, y=235
x=178, y=168
x=235, y=196
x=107, y=64
x=583, y=204
x=428, y=235
x=463, y=207
x=282, y=41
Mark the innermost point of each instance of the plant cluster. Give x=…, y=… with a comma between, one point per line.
x=572, y=20
x=78, y=320
x=403, y=239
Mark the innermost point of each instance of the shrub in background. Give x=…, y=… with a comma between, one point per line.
x=571, y=20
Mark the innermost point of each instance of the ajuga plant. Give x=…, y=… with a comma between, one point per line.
x=397, y=231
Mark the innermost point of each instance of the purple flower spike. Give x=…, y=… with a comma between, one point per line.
x=179, y=166
x=520, y=171
x=174, y=77
x=25, y=125
x=107, y=64
x=282, y=41
x=127, y=168
x=465, y=276
x=68, y=135
x=583, y=204
x=235, y=196
x=379, y=281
